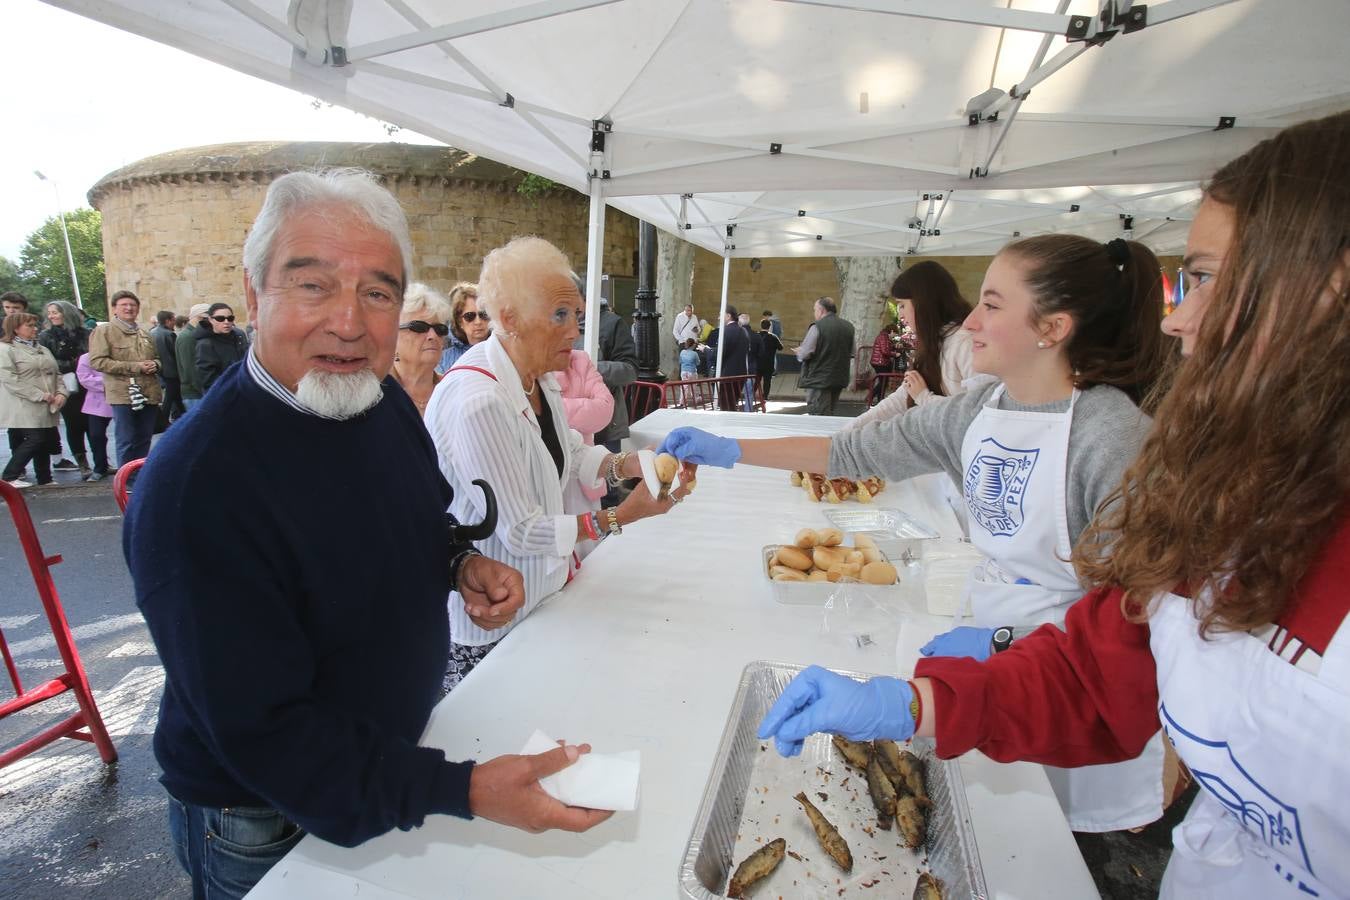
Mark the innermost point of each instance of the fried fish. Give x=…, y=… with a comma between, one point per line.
x=909, y=813
x=928, y=888
x=854, y=753
x=756, y=866
x=831, y=841
x=881, y=789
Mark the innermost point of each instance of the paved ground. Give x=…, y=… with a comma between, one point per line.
x=70, y=825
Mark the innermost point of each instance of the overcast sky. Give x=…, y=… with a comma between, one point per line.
x=80, y=99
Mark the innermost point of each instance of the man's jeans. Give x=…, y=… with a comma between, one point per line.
x=134, y=429
x=228, y=851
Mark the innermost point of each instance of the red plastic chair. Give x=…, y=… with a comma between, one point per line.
x=73, y=678
x=120, y=492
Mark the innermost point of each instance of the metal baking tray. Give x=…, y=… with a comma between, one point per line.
x=897, y=534
x=818, y=592
x=748, y=801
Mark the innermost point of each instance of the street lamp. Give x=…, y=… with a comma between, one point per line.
x=65, y=235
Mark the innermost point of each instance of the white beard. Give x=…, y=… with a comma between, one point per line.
x=337, y=395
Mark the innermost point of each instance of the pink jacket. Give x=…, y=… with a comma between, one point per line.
x=95, y=403
x=589, y=404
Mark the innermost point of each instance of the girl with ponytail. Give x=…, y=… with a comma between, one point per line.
x=1069, y=329
x=1220, y=612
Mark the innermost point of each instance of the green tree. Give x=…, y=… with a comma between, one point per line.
x=9, y=277
x=42, y=261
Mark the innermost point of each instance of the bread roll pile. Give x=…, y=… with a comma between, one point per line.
x=837, y=490
x=820, y=555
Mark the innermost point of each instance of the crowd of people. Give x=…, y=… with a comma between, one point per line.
x=1160, y=505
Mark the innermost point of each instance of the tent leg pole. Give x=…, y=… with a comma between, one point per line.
x=595, y=260
x=721, y=326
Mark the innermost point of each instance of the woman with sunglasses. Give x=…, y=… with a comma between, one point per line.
x=421, y=335
x=469, y=325
x=221, y=347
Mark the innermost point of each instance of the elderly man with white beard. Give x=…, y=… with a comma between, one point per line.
x=292, y=555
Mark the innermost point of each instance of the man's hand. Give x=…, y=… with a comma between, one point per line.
x=506, y=790
x=492, y=592
x=149, y=366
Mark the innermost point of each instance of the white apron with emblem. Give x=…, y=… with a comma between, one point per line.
x=1269, y=746
x=1016, y=470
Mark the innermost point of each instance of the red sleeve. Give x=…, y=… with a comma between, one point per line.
x=1085, y=695
x=1321, y=601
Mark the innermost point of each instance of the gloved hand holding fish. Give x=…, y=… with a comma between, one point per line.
x=821, y=700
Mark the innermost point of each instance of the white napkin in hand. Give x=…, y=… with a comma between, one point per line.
x=647, y=459
x=596, y=780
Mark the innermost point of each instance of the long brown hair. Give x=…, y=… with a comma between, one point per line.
x=938, y=305
x=1114, y=295
x=1247, y=466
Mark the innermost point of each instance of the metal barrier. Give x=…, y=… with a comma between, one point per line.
x=121, y=493
x=73, y=678
x=726, y=393
x=887, y=382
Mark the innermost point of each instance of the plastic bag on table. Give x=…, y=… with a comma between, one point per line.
x=862, y=617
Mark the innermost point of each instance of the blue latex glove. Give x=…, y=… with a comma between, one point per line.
x=964, y=641
x=821, y=700
x=698, y=446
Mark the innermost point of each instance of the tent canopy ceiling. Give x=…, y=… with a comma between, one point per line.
x=814, y=127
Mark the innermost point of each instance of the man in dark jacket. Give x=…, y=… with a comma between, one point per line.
x=185, y=353
x=825, y=353
x=166, y=345
x=221, y=347
x=734, y=342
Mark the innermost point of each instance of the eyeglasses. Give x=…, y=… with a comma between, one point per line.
x=474, y=316
x=417, y=326
x=222, y=318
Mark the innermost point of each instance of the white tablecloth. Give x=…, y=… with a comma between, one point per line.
x=644, y=651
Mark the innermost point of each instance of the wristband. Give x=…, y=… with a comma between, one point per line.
x=915, y=706
x=591, y=526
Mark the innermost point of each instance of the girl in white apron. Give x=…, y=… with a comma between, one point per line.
x=1230, y=553
x=1070, y=326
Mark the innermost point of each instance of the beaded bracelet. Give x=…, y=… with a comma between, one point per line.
x=615, y=476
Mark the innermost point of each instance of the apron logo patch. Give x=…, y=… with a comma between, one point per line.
x=995, y=484
x=1262, y=814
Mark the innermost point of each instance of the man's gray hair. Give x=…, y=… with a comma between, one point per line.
x=419, y=298
x=356, y=189
x=511, y=272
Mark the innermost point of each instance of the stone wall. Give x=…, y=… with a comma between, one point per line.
x=174, y=225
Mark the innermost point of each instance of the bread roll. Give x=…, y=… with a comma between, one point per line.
x=816, y=575
x=786, y=574
x=824, y=557
x=794, y=558
x=829, y=537
x=879, y=573
x=862, y=541
x=796, y=479
x=847, y=570
x=666, y=467
x=871, y=555
x=806, y=538
x=855, y=556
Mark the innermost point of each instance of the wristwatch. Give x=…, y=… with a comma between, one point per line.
x=1002, y=639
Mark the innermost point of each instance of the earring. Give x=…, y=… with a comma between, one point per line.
x=395, y=357
x=1042, y=344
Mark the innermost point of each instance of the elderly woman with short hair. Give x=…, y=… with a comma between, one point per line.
x=422, y=327
x=469, y=324
x=498, y=415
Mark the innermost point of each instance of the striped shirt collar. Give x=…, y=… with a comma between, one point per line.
x=264, y=380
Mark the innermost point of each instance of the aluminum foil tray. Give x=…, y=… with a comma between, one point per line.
x=898, y=535
x=749, y=801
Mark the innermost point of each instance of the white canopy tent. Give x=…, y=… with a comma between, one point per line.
x=811, y=127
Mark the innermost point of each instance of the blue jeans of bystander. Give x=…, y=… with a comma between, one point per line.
x=228, y=851
x=134, y=429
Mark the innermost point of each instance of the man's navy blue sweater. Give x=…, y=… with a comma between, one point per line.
x=294, y=571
